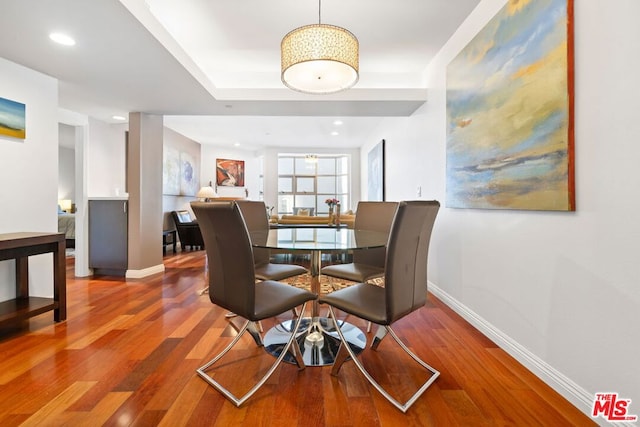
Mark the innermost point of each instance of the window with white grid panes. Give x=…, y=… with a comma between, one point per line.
x=305, y=184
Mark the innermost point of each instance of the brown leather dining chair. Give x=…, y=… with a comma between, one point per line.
x=255, y=216
x=367, y=264
x=405, y=291
x=232, y=286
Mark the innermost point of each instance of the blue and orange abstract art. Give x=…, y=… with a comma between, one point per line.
x=12, y=119
x=510, y=112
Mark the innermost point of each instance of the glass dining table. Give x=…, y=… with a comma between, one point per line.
x=319, y=339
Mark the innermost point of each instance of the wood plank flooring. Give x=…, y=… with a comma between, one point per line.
x=127, y=356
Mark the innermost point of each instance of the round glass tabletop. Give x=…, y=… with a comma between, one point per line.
x=318, y=239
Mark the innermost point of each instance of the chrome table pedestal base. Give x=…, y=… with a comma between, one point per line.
x=319, y=342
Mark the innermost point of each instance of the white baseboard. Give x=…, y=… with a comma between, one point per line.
x=138, y=274
x=578, y=396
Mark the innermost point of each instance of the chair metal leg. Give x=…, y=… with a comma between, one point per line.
x=377, y=339
x=401, y=406
x=254, y=329
x=231, y=314
x=247, y=327
x=341, y=357
x=297, y=353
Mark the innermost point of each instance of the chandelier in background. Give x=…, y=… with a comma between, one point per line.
x=319, y=58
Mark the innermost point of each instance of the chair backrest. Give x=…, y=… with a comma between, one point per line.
x=305, y=211
x=187, y=228
x=231, y=270
x=181, y=217
x=255, y=217
x=407, y=254
x=376, y=216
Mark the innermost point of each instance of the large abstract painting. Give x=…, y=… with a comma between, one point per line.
x=189, y=182
x=230, y=173
x=510, y=111
x=12, y=119
x=181, y=165
x=171, y=171
x=375, y=173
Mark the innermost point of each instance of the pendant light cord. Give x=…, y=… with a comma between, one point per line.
x=319, y=8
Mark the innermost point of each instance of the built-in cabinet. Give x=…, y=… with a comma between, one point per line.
x=108, y=235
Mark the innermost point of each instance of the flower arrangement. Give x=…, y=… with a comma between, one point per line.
x=332, y=202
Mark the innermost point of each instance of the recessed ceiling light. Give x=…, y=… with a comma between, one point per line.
x=337, y=122
x=334, y=133
x=121, y=118
x=237, y=144
x=62, y=39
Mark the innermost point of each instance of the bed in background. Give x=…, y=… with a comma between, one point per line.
x=67, y=225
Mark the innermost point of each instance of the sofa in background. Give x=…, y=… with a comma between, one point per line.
x=347, y=219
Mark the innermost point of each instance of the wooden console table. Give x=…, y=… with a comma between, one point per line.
x=20, y=246
x=169, y=238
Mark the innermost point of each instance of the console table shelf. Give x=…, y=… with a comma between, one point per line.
x=20, y=246
x=23, y=308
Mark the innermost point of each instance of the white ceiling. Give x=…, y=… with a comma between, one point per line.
x=212, y=67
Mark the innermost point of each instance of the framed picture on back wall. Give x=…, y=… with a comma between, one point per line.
x=375, y=173
x=230, y=173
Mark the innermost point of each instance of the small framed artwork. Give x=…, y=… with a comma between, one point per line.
x=375, y=173
x=230, y=173
x=12, y=119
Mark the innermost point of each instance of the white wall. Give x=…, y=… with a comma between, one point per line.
x=66, y=173
x=405, y=158
x=106, y=159
x=565, y=287
x=29, y=172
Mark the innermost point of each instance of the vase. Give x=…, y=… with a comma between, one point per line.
x=337, y=217
x=331, y=218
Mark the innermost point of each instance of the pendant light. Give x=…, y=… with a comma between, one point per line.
x=319, y=58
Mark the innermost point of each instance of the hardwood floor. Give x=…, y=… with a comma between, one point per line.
x=127, y=356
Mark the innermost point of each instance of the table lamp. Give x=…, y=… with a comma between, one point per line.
x=65, y=205
x=206, y=194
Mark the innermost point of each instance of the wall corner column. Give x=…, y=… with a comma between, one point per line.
x=144, y=184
